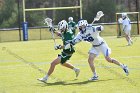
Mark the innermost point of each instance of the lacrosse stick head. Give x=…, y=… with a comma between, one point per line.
x=48, y=21
x=98, y=15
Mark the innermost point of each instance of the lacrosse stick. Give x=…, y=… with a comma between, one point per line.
x=48, y=21
x=98, y=16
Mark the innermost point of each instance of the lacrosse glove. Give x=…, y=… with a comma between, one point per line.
x=56, y=47
x=52, y=29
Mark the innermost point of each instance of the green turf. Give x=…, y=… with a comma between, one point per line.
x=18, y=77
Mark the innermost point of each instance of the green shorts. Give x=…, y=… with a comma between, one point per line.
x=64, y=57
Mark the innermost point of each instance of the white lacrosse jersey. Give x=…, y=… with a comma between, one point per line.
x=91, y=34
x=126, y=24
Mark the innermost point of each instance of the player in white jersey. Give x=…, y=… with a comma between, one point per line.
x=126, y=28
x=90, y=34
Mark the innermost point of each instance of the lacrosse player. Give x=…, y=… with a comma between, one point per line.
x=66, y=54
x=72, y=25
x=90, y=34
x=127, y=28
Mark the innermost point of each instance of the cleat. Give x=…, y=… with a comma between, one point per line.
x=94, y=78
x=128, y=45
x=131, y=42
x=125, y=68
x=77, y=71
x=44, y=80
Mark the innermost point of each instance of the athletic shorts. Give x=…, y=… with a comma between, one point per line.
x=64, y=57
x=127, y=32
x=104, y=49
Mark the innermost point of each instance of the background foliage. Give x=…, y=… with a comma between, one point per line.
x=9, y=10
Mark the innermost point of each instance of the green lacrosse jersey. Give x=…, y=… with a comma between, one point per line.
x=66, y=37
x=72, y=26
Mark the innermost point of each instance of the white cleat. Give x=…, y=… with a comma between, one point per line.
x=129, y=44
x=44, y=80
x=126, y=70
x=77, y=72
x=94, y=78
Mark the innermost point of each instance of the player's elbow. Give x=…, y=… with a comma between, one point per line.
x=100, y=28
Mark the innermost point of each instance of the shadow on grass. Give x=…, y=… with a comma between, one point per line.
x=122, y=46
x=73, y=83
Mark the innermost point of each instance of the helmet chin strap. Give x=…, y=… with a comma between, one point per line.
x=83, y=30
x=124, y=18
x=63, y=31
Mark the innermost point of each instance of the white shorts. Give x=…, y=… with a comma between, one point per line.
x=102, y=48
x=127, y=32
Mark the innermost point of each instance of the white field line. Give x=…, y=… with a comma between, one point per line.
x=43, y=63
x=123, y=57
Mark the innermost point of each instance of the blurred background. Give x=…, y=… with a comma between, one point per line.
x=11, y=14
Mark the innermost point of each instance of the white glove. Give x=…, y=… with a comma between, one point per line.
x=56, y=47
x=120, y=20
x=67, y=46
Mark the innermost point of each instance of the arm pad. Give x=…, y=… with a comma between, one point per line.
x=99, y=28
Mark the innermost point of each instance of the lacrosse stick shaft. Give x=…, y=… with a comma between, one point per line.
x=53, y=38
x=93, y=21
x=48, y=21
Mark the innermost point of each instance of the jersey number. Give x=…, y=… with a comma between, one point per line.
x=89, y=39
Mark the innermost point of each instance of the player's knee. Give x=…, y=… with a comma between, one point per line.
x=108, y=59
x=90, y=60
x=53, y=63
x=126, y=35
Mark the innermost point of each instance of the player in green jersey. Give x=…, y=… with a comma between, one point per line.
x=72, y=25
x=66, y=54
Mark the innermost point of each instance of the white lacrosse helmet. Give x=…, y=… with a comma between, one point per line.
x=62, y=25
x=124, y=15
x=70, y=19
x=82, y=23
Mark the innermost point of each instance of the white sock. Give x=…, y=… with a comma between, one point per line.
x=74, y=69
x=46, y=76
x=95, y=74
x=130, y=39
x=129, y=42
x=121, y=65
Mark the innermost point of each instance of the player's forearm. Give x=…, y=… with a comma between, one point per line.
x=78, y=38
x=75, y=41
x=99, y=28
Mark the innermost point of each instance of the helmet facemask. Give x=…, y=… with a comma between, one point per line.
x=70, y=19
x=63, y=26
x=124, y=15
x=82, y=25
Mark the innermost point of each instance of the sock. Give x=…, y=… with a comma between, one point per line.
x=129, y=42
x=95, y=74
x=46, y=76
x=130, y=39
x=121, y=65
x=74, y=69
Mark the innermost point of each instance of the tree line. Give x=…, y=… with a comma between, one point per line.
x=11, y=14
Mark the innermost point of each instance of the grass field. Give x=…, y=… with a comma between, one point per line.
x=16, y=76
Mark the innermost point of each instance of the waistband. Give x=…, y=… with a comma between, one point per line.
x=67, y=53
x=98, y=45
